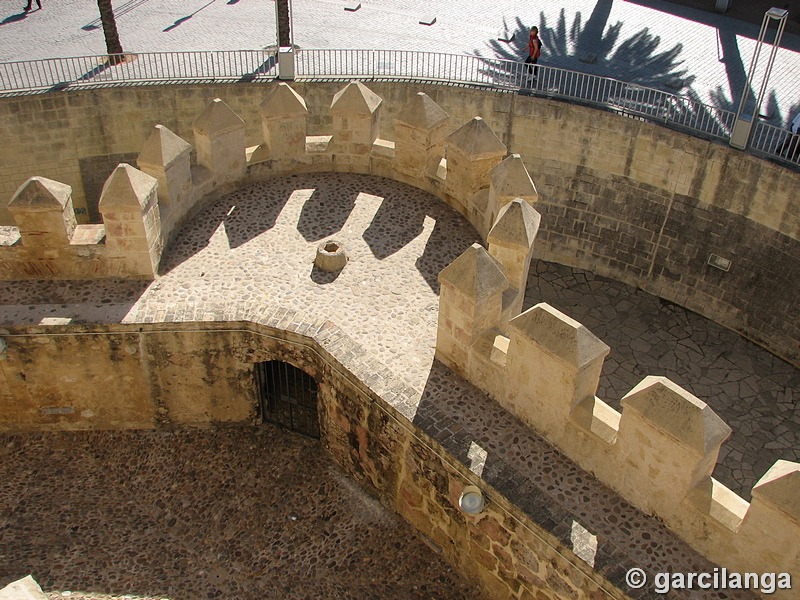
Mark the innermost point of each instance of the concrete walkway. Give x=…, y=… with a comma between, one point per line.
x=652, y=43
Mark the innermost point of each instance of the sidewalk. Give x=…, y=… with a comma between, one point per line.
x=651, y=42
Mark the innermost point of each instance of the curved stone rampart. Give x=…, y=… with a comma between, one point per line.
x=544, y=367
x=659, y=453
x=156, y=374
x=622, y=198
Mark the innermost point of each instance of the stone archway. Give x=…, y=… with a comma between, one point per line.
x=287, y=396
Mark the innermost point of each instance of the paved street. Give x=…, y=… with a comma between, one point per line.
x=651, y=42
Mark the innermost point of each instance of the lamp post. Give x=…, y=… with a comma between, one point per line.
x=743, y=125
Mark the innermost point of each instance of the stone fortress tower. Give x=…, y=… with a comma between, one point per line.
x=580, y=187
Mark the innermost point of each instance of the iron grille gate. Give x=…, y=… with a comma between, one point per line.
x=288, y=397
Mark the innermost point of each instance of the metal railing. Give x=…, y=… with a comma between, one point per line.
x=627, y=98
x=141, y=68
x=672, y=110
x=775, y=141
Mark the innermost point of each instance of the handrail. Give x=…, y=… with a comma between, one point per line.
x=672, y=110
x=140, y=68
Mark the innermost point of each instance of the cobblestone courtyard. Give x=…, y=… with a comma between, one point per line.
x=202, y=493
x=245, y=513
x=257, y=245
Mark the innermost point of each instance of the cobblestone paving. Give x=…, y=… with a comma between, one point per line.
x=583, y=514
x=258, y=244
x=245, y=513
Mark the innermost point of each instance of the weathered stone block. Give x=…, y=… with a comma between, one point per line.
x=355, y=112
x=471, y=151
x=669, y=441
x=43, y=211
x=569, y=361
x=508, y=180
x=167, y=157
x=219, y=135
x=511, y=241
x=129, y=206
x=419, y=136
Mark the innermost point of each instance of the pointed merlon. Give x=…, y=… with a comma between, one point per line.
x=23, y=589
x=162, y=148
x=475, y=273
x=356, y=98
x=511, y=178
x=283, y=101
x=217, y=118
x=476, y=139
x=127, y=188
x=40, y=193
x=780, y=487
x=422, y=112
x=560, y=335
x=516, y=225
x=677, y=412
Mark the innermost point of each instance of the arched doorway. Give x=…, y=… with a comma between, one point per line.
x=287, y=397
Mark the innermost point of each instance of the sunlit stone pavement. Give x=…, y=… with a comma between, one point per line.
x=258, y=245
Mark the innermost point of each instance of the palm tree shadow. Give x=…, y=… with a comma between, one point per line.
x=736, y=72
x=595, y=44
x=182, y=20
x=729, y=100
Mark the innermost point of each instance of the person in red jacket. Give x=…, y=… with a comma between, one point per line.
x=534, y=52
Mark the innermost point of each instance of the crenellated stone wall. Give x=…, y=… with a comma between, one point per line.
x=659, y=453
x=122, y=244
x=540, y=365
x=160, y=375
x=621, y=198
x=49, y=244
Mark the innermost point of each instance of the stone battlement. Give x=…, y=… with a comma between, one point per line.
x=625, y=199
x=49, y=244
x=541, y=365
x=659, y=453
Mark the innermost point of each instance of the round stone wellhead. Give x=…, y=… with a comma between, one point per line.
x=331, y=256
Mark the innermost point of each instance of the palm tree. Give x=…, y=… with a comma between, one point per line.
x=113, y=45
x=284, y=37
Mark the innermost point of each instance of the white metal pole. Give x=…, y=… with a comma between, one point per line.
x=780, y=15
x=752, y=71
x=743, y=124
